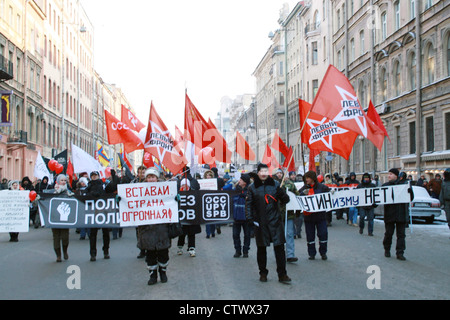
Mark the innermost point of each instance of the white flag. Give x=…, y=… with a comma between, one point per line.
x=40, y=169
x=84, y=162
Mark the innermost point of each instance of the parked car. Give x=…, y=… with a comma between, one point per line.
x=423, y=206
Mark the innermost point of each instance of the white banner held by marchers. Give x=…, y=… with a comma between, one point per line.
x=147, y=203
x=350, y=198
x=14, y=211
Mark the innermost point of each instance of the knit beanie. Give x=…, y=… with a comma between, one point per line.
x=394, y=171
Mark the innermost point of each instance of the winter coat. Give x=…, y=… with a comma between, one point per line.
x=239, y=204
x=95, y=188
x=262, y=207
x=444, y=196
x=194, y=185
x=154, y=237
x=397, y=212
x=316, y=189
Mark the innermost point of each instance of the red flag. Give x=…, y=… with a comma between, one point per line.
x=373, y=115
x=216, y=141
x=320, y=133
x=179, y=137
x=195, y=125
x=160, y=143
x=119, y=132
x=288, y=158
x=69, y=172
x=279, y=145
x=131, y=120
x=312, y=162
x=243, y=148
x=148, y=160
x=336, y=100
x=270, y=160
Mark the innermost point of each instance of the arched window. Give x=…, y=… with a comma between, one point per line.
x=383, y=84
x=397, y=78
x=447, y=52
x=412, y=70
x=429, y=63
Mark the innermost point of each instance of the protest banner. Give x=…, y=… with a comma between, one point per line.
x=14, y=211
x=206, y=206
x=350, y=198
x=208, y=184
x=147, y=203
x=64, y=212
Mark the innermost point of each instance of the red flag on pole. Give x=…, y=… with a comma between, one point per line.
x=319, y=133
x=160, y=143
x=286, y=161
x=373, y=115
x=336, y=100
x=279, y=145
x=220, y=148
x=270, y=160
x=70, y=172
x=131, y=120
x=119, y=132
x=243, y=148
x=195, y=125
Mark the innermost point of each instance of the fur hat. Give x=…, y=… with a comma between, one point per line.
x=312, y=175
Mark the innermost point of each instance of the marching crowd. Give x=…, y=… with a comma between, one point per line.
x=259, y=212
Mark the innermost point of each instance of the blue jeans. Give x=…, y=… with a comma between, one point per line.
x=370, y=215
x=352, y=215
x=237, y=226
x=210, y=229
x=290, y=245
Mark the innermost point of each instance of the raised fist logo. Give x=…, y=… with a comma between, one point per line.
x=64, y=211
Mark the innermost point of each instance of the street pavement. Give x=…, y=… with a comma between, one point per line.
x=28, y=269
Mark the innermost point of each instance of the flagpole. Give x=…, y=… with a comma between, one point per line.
x=295, y=147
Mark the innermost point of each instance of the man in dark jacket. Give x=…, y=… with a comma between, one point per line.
x=95, y=189
x=366, y=211
x=395, y=216
x=316, y=220
x=240, y=221
x=262, y=210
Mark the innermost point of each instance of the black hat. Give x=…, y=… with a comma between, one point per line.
x=395, y=171
x=245, y=178
x=94, y=172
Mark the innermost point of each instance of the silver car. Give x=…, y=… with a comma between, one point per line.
x=423, y=206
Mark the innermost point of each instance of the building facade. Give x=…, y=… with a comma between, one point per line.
x=395, y=53
x=57, y=98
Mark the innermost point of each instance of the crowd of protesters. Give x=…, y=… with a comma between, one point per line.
x=259, y=212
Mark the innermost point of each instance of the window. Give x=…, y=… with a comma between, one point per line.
x=429, y=63
x=383, y=26
x=412, y=137
x=383, y=84
x=412, y=70
x=352, y=50
x=362, y=47
x=338, y=14
x=429, y=132
x=397, y=140
x=448, y=54
x=314, y=53
x=447, y=131
x=362, y=94
x=315, y=87
x=428, y=4
x=397, y=78
x=397, y=14
x=412, y=9
x=281, y=98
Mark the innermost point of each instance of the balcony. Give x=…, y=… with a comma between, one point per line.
x=6, y=69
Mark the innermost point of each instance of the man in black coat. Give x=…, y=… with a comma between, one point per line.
x=395, y=216
x=262, y=210
x=96, y=189
x=367, y=211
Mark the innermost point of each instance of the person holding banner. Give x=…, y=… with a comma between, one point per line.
x=14, y=185
x=366, y=211
x=262, y=211
x=395, y=216
x=240, y=221
x=155, y=241
x=316, y=220
x=61, y=236
x=95, y=189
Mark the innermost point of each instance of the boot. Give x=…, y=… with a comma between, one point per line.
x=106, y=254
x=58, y=254
x=153, y=275
x=66, y=255
x=162, y=274
x=237, y=254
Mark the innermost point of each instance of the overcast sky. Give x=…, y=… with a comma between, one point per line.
x=153, y=50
